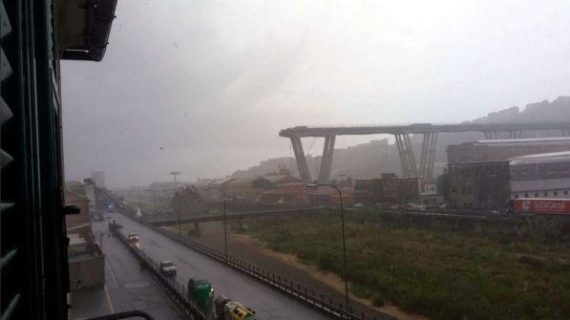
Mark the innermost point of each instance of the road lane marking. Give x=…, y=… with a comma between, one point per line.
x=109, y=303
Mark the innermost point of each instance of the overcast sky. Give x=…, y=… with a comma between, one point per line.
x=203, y=87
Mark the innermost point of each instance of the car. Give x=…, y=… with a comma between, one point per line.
x=167, y=268
x=133, y=239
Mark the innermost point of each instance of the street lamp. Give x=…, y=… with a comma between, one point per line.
x=174, y=174
x=314, y=186
x=224, y=194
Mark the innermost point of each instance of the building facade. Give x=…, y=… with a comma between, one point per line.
x=503, y=149
x=79, y=224
x=479, y=185
x=541, y=176
x=389, y=190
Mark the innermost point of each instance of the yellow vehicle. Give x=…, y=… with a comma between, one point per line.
x=227, y=309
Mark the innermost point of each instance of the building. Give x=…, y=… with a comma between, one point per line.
x=479, y=185
x=34, y=37
x=324, y=195
x=286, y=193
x=98, y=178
x=503, y=149
x=544, y=175
x=79, y=224
x=429, y=195
x=389, y=190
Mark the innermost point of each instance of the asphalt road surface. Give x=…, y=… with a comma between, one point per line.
x=267, y=302
x=126, y=287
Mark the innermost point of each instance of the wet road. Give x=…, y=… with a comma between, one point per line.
x=126, y=287
x=268, y=303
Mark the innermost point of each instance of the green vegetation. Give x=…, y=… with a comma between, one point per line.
x=433, y=272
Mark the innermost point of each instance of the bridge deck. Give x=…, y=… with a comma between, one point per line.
x=303, y=131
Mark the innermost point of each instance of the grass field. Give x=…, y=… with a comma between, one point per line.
x=442, y=275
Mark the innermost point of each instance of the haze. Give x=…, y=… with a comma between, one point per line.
x=203, y=87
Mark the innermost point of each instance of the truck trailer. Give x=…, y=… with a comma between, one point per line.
x=554, y=206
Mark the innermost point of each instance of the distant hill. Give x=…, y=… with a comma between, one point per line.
x=371, y=159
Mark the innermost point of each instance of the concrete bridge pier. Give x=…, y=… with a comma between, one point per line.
x=302, y=165
x=515, y=134
x=427, y=159
x=407, y=158
x=491, y=135
x=326, y=160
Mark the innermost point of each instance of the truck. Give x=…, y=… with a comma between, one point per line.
x=227, y=309
x=538, y=206
x=202, y=293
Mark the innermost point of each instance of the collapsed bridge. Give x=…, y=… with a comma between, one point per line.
x=402, y=133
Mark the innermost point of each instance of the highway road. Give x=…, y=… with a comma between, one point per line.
x=268, y=303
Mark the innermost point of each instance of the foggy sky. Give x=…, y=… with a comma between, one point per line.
x=203, y=87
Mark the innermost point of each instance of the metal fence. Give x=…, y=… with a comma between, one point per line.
x=175, y=291
x=325, y=304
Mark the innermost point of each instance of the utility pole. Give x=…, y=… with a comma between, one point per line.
x=154, y=199
x=174, y=174
x=345, y=271
x=225, y=196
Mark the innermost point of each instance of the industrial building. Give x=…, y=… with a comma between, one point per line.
x=503, y=149
x=389, y=190
x=478, y=185
x=544, y=175
x=489, y=185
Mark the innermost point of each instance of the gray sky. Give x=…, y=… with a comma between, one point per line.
x=203, y=87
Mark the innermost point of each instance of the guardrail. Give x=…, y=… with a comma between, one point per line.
x=324, y=304
x=172, y=219
x=175, y=291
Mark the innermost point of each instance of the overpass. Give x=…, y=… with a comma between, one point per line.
x=170, y=219
x=402, y=134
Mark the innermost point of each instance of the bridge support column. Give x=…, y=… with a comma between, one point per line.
x=491, y=135
x=196, y=229
x=326, y=160
x=302, y=165
x=407, y=158
x=427, y=160
x=515, y=134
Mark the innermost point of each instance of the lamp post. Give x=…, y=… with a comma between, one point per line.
x=345, y=271
x=174, y=174
x=224, y=194
x=154, y=200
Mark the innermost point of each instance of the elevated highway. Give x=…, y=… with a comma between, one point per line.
x=402, y=135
